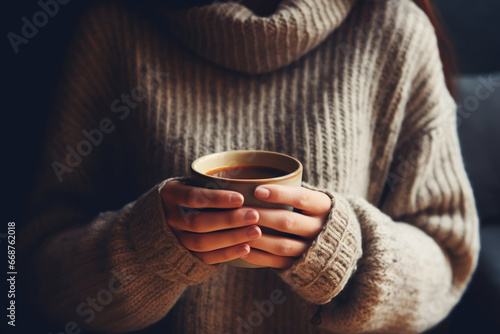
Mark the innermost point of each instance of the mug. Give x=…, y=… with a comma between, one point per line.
x=243, y=171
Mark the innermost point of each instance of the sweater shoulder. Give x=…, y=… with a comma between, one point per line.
x=401, y=24
x=414, y=51
x=396, y=45
x=407, y=25
x=400, y=15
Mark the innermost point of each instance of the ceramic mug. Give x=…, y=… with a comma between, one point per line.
x=242, y=171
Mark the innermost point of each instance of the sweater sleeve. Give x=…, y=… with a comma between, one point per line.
x=399, y=265
x=96, y=260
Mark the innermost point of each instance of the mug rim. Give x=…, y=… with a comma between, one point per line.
x=277, y=179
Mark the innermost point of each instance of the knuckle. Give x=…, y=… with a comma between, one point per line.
x=184, y=216
x=284, y=248
x=231, y=218
x=198, y=244
x=192, y=243
x=217, y=198
x=287, y=222
x=210, y=192
x=189, y=196
x=196, y=198
x=301, y=200
x=195, y=223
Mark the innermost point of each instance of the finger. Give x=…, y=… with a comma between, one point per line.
x=265, y=259
x=224, y=254
x=205, y=242
x=209, y=221
x=280, y=245
x=178, y=194
x=310, y=201
x=290, y=222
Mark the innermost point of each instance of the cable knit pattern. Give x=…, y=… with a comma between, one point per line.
x=353, y=89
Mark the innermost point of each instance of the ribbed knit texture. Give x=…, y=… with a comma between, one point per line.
x=353, y=89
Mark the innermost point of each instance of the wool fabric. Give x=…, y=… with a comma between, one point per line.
x=353, y=89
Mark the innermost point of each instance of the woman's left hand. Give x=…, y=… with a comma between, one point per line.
x=278, y=251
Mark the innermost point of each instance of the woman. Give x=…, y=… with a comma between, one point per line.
x=386, y=228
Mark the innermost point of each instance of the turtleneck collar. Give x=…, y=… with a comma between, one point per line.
x=231, y=35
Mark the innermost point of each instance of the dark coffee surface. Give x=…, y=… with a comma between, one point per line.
x=247, y=172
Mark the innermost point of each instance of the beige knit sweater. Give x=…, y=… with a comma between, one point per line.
x=353, y=89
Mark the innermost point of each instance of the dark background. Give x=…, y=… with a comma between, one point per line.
x=29, y=78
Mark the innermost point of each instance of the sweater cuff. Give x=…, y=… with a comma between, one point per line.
x=158, y=247
x=325, y=267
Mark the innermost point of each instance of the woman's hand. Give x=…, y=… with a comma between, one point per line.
x=278, y=251
x=224, y=235
x=212, y=236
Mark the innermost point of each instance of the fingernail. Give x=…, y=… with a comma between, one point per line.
x=262, y=192
x=243, y=250
x=253, y=232
x=250, y=216
x=236, y=199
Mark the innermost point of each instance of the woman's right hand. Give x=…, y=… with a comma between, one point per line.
x=213, y=236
